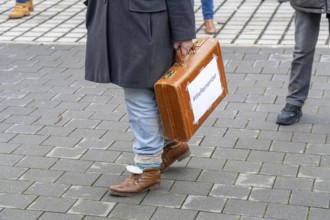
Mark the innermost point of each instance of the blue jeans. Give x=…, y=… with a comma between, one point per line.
x=144, y=120
x=207, y=9
x=21, y=1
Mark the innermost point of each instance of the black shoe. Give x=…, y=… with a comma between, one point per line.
x=289, y=115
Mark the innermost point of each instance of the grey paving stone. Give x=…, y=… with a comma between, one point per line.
x=264, y=181
x=128, y=158
x=315, y=172
x=242, y=166
x=14, y=186
x=322, y=186
x=32, y=150
x=47, y=189
x=253, y=144
x=309, y=138
x=300, y=159
x=41, y=175
x=230, y=191
x=77, y=178
x=85, y=192
x=206, y=163
x=19, y=201
x=325, y=161
x=64, y=152
x=52, y=204
x=87, y=133
x=215, y=216
x=8, y=148
x=250, y=208
x=219, y=177
x=18, y=213
x=62, y=216
x=318, y=214
x=56, y=131
x=289, y=147
x=101, y=155
x=8, y=172
x=201, y=150
x=279, y=169
x=312, y=199
x=241, y=133
x=28, y=138
x=293, y=183
x=106, y=168
x=281, y=211
x=7, y=137
x=24, y=129
x=319, y=149
x=36, y=162
x=169, y=200
x=227, y=153
x=191, y=188
x=204, y=203
x=71, y=165
x=170, y=213
x=95, y=143
x=270, y=195
x=266, y=156
x=88, y=207
x=219, y=142
x=130, y=211
x=9, y=160
x=180, y=173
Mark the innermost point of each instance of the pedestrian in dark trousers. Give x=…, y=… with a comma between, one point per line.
x=132, y=43
x=307, y=25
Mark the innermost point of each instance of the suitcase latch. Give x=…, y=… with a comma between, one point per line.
x=168, y=74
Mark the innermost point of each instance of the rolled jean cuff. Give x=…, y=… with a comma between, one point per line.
x=148, y=159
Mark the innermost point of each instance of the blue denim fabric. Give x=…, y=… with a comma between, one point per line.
x=144, y=119
x=207, y=9
x=21, y=1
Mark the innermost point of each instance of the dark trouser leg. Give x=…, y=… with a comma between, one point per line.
x=307, y=27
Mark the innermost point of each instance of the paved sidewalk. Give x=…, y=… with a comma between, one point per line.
x=64, y=140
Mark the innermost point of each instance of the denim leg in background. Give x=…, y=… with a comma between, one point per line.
x=307, y=26
x=21, y=1
x=144, y=120
x=207, y=8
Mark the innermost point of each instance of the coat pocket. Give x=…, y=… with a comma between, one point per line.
x=147, y=6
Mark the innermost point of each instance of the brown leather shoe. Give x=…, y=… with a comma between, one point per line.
x=209, y=26
x=30, y=5
x=172, y=152
x=136, y=183
x=20, y=10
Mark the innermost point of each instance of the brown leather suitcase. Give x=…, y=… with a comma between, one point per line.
x=190, y=90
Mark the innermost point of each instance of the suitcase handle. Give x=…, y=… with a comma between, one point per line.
x=197, y=43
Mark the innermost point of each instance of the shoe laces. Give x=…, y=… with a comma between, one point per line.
x=291, y=108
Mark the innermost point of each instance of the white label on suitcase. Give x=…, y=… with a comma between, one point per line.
x=205, y=89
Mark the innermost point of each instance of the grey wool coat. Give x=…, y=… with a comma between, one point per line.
x=311, y=6
x=130, y=42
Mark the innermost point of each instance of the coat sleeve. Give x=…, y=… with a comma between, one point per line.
x=182, y=19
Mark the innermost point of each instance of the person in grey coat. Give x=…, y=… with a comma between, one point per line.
x=132, y=43
x=307, y=26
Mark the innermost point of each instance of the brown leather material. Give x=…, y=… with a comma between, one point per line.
x=137, y=183
x=175, y=151
x=173, y=98
x=209, y=26
x=20, y=10
x=30, y=5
